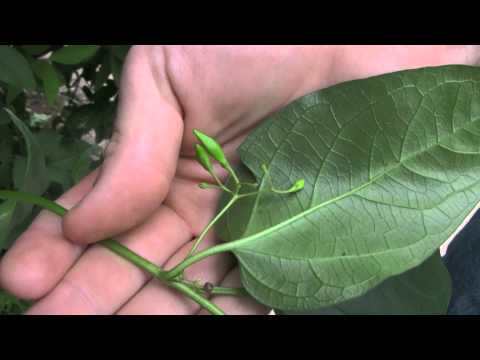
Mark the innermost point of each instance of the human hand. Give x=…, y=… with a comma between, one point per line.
x=147, y=191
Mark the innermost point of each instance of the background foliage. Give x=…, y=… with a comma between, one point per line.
x=57, y=104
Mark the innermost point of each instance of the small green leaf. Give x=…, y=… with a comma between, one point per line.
x=74, y=54
x=15, y=69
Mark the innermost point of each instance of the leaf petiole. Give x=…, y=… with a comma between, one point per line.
x=217, y=290
x=209, y=226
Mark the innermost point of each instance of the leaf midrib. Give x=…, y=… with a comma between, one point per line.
x=240, y=242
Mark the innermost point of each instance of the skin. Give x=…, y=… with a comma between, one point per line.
x=146, y=195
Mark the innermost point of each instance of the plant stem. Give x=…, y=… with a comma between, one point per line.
x=199, y=299
x=234, y=176
x=119, y=249
x=34, y=200
x=134, y=258
x=241, y=196
x=177, y=270
x=218, y=290
x=209, y=226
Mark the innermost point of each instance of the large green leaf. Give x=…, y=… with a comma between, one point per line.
x=391, y=167
x=14, y=69
x=423, y=290
x=74, y=54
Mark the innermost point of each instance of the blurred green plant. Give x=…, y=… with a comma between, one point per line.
x=57, y=105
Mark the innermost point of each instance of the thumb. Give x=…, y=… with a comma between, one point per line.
x=140, y=161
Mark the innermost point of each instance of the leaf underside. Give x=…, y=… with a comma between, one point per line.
x=391, y=167
x=423, y=290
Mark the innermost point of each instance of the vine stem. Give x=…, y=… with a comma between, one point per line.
x=126, y=253
x=195, y=296
x=209, y=226
x=218, y=290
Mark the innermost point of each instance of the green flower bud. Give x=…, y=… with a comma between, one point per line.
x=299, y=185
x=212, y=147
x=202, y=158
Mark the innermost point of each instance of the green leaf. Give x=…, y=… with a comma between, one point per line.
x=51, y=79
x=15, y=69
x=391, y=167
x=74, y=54
x=19, y=169
x=7, y=208
x=30, y=174
x=35, y=49
x=6, y=145
x=423, y=290
x=67, y=161
x=12, y=93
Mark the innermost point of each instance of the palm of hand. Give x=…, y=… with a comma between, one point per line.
x=147, y=189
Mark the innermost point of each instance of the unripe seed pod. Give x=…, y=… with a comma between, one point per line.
x=212, y=147
x=202, y=158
